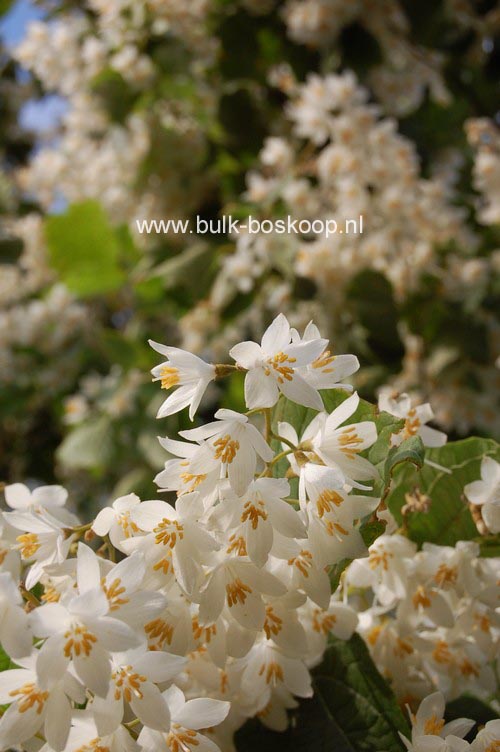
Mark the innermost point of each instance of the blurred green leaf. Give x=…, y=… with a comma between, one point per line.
x=87, y=446
x=84, y=250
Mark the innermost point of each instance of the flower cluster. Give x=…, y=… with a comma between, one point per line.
x=192, y=617
x=432, y=622
x=223, y=599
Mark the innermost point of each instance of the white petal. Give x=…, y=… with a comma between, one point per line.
x=246, y=354
x=151, y=709
x=94, y=671
x=57, y=720
x=15, y=633
x=277, y=336
x=342, y=412
x=103, y=521
x=202, y=713
x=299, y=391
x=17, y=496
x=11, y=680
x=260, y=389
x=88, y=572
x=159, y=667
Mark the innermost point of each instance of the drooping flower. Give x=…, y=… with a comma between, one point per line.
x=190, y=374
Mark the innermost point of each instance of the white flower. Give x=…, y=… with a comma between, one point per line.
x=259, y=512
x=84, y=735
x=115, y=520
x=50, y=499
x=327, y=371
x=430, y=732
x=415, y=419
x=385, y=569
x=339, y=446
x=187, y=718
x=486, y=493
x=133, y=682
x=175, y=542
x=36, y=704
x=232, y=444
x=176, y=476
x=15, y=632
x=273, y=367
x=240, y=585
x=266, y=666
x=82, y=632
x=42, y=542
x=191, y=374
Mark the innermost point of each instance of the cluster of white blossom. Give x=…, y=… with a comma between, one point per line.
x=45, y=325
x=432, y=621
x=191, y=618
x=31, y=271
x=93, y=156
x=354, y=163
x=406, y=71
x=484, y=137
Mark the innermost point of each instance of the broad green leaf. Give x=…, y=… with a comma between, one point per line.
x=84, y=250
x=448, y=519
x=4, y=660
x=353, y=710
x=409, y=451
x=87, y=446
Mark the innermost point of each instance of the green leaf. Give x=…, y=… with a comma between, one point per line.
x=84, y=250
x=353, y=710
x=448, y=519
x=87, y=446
x=410, y=450
x=4, y=660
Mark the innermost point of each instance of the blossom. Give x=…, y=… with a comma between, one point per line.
x=187, y=372
x=133, y=681
x=44, y=499
x=431, y=732
x=36, y=704
x=115, y=520
x=486, y=493
x=339, y=446
x=415, y=419
x=327, y=371
x=232, y=444
x=187, y=718
x=487, y=737
x=273, y=367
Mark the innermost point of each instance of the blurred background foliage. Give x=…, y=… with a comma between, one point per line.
x=162, y=110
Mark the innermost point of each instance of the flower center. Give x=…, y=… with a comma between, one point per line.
x=29, y=695
x=127, y=683
x=278, y=364
x=226, y=448
x=421, y=598
x=181, y=739
x=113, y=593
x=168, y=531
x=126, y=524
x=349, y=442
x=237, y=592
x=254, y=512
x=433, y=726
x=324, y=360
x=412, y=424
x=326, y=500
x=445, y=575
x=159, y=630
x=169, y=377
x=378, y=558
x=203, y=633
x=28, y=544
x=273, y=671
x=272, y=624
x=79, y=641
x=303, y=562
x=322, y=622
x=238, y=544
